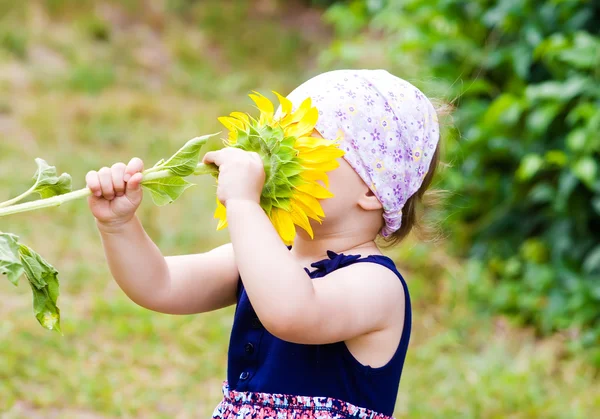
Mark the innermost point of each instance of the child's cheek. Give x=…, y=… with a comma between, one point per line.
x=329, y=206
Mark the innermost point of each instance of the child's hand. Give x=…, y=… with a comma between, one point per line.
x=117, y=192
x=241, y=174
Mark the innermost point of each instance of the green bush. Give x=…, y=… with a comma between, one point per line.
x=525, y=177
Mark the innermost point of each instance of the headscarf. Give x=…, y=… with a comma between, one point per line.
x=387, y=127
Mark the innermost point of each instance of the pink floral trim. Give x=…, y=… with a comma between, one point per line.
x=249, y=405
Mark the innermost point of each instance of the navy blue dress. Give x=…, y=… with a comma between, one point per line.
x=261, y=362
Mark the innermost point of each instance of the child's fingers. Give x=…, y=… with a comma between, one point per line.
x=134, y=189
x=135, y=182
x=106, y=183
x=118, y=170
x=217, y=157
x=135, y=165
x=209, y=157
x=93, y=182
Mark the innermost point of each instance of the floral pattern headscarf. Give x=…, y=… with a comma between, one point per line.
x=387, y=127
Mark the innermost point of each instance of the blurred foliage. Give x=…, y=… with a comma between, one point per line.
x=525, y=181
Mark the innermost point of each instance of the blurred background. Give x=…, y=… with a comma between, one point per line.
x=506, y=304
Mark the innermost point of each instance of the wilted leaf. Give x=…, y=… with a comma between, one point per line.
x=10, y=264
x=43, y=279
x=48, y=183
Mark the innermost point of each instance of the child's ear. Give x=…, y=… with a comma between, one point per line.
x=369, y=202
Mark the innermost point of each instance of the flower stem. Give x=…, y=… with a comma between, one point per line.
x=55, y=201
x=17, y=198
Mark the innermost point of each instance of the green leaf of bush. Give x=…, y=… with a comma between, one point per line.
x=526, y=74
x=592, y=261
x=586, y=169
x=530, y=165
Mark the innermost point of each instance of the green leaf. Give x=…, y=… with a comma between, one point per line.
x=541, y=117
x=558, y=90
x=43, y=279
x=534, y=250
x=542, y=193
x=48, y=183
x=596, y=204
x=566, y=185
x=585, y=53
x=291, y=168
x=521, y=59
x=576, y=139
x=592, y=260
x=557, y=157
x=159, y=163
x=505, y=109
x=166, y=190
x=530, y=165
x=10, y=264
x=184, y=162
x=586, y=169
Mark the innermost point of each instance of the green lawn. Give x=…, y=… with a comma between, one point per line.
x=85, y=84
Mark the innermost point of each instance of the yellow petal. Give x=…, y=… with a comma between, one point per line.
x=286, y=104
x=315, y=190
x=242, y=117
x=265, y=106
x=309, y=142
x=301, y=111
x=325, y=166
x=282, y=221
x=285, y=120
x=233, y=136
x=315, y=175
x=309, y=204
x=221, y=215
x=305, y=126
x=320, y=155
x=299, y=218
x=231, y=124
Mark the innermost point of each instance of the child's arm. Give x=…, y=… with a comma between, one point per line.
x=176, y=284
x=289, y=304
x=182, y=284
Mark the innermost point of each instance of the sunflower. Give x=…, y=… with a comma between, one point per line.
x=293, y=159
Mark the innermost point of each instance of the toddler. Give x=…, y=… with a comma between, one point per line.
x=321, y=329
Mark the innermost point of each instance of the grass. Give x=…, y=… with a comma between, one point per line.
x=84, y=84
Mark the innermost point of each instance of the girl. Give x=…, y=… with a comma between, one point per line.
x=321, y=329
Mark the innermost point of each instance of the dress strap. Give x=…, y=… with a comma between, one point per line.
x=340, y=260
